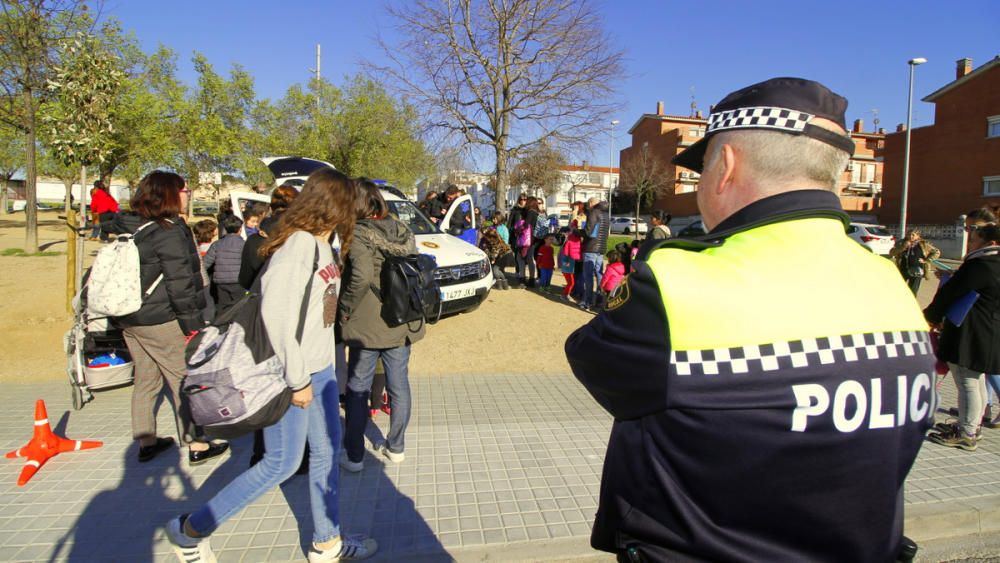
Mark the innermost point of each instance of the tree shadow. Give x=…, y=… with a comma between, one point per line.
x=48, y=245
x=123, y=522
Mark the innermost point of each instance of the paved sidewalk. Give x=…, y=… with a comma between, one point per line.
x=504, y=467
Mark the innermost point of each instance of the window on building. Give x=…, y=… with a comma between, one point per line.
x=696, y=132
x=991, y=185
x=870, y=173
x=993, y=126
x=855, y=169
x=596, y=178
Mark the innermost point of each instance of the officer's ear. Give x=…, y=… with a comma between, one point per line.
x=727, y=163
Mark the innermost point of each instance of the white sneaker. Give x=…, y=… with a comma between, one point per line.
x=349, y=548
x=393, y=457
x=188, y=549
x=352, y=466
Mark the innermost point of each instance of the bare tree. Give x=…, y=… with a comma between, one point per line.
x=505, y=74
x=539, y=170
x=645, y=177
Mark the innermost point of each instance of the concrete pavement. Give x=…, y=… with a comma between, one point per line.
x=503, y=467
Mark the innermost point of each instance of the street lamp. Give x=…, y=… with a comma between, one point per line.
x=611, y=166
x=906, y=151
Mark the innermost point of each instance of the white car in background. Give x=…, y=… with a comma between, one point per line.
x=627, y=225
x=877, y=238
x=464, y=272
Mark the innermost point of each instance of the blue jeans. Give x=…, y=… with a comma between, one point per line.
x=992, y=381
x=285, y=442
x=593, y=263
x=544, y=277
x=361, y=372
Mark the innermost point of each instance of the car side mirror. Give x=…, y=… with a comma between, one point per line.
x=456, y=231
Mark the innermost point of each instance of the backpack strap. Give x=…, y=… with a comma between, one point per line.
x=305, y=297
x=152, y=287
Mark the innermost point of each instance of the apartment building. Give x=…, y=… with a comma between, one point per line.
x=954, y=163
x=664, y=136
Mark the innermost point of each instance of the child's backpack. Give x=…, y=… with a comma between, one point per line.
x=522, y=234
x=114, y=287
x=409, y=290
x=566, y=263
x=235, y=383
x=541, y=226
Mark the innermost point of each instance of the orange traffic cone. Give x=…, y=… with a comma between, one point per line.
x=45, y=444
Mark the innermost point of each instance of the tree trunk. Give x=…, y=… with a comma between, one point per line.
x=3, y=196
x=78, y=280
x=501, y=181
x=68, y=203
x=31, y=175
x=638, y=202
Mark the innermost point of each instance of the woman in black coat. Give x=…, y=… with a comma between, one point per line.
x=970, y=336
x=170, y=272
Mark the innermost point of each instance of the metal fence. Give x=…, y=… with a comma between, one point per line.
x=932, y=231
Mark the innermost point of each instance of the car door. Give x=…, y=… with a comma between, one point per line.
x=468, y=235
x=240, y=199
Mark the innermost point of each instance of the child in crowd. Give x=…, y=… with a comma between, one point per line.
x=500, y=223
x=545, y=261
x=223, y=261
x=252, y=219
x=204, y=233
x=379, y=399
x=613, y=274
x=499, y=254
x=568, y=258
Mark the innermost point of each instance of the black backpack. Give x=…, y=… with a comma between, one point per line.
x=409, y=290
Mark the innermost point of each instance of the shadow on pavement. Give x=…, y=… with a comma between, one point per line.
x=120, y=523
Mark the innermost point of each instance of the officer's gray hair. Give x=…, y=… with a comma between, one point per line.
x=779, y=158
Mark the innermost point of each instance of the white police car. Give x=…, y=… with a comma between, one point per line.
x=463, y=272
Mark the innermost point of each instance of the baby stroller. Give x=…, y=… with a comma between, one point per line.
x=96, y=355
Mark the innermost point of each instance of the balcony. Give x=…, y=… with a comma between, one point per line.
x=862, y=188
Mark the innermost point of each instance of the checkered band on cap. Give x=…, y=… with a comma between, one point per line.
x=808, y=352
x=782, y=119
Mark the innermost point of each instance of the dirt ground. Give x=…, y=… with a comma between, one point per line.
x=515, y=331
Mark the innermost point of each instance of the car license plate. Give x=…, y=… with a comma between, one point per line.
x=449, y=295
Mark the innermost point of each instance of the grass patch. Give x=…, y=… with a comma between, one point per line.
x=21, y=252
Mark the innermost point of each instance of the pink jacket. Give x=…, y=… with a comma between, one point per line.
x=572, y=247
x=613, y=275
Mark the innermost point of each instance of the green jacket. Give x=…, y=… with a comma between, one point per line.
x=359, y=312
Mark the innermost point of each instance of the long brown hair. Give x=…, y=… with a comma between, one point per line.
x=370, y=201
x=326, y=203
x=158, y=197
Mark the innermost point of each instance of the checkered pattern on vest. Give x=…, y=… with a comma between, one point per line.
x=759, y=117
x=800, y=353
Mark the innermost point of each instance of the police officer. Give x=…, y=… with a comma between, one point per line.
x=764, y=409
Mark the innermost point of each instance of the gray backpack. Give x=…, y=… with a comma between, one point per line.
x=235, y=383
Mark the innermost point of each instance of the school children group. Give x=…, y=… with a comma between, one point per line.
x=322, y=247
x=527, y=241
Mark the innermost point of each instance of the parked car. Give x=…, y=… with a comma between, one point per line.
x=627, y=225
x=695, y=229
x=876, y=238
x=464, y=272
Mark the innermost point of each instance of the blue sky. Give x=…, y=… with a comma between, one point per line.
x=858, y=49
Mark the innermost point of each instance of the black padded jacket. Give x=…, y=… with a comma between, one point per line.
x=167, y=249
